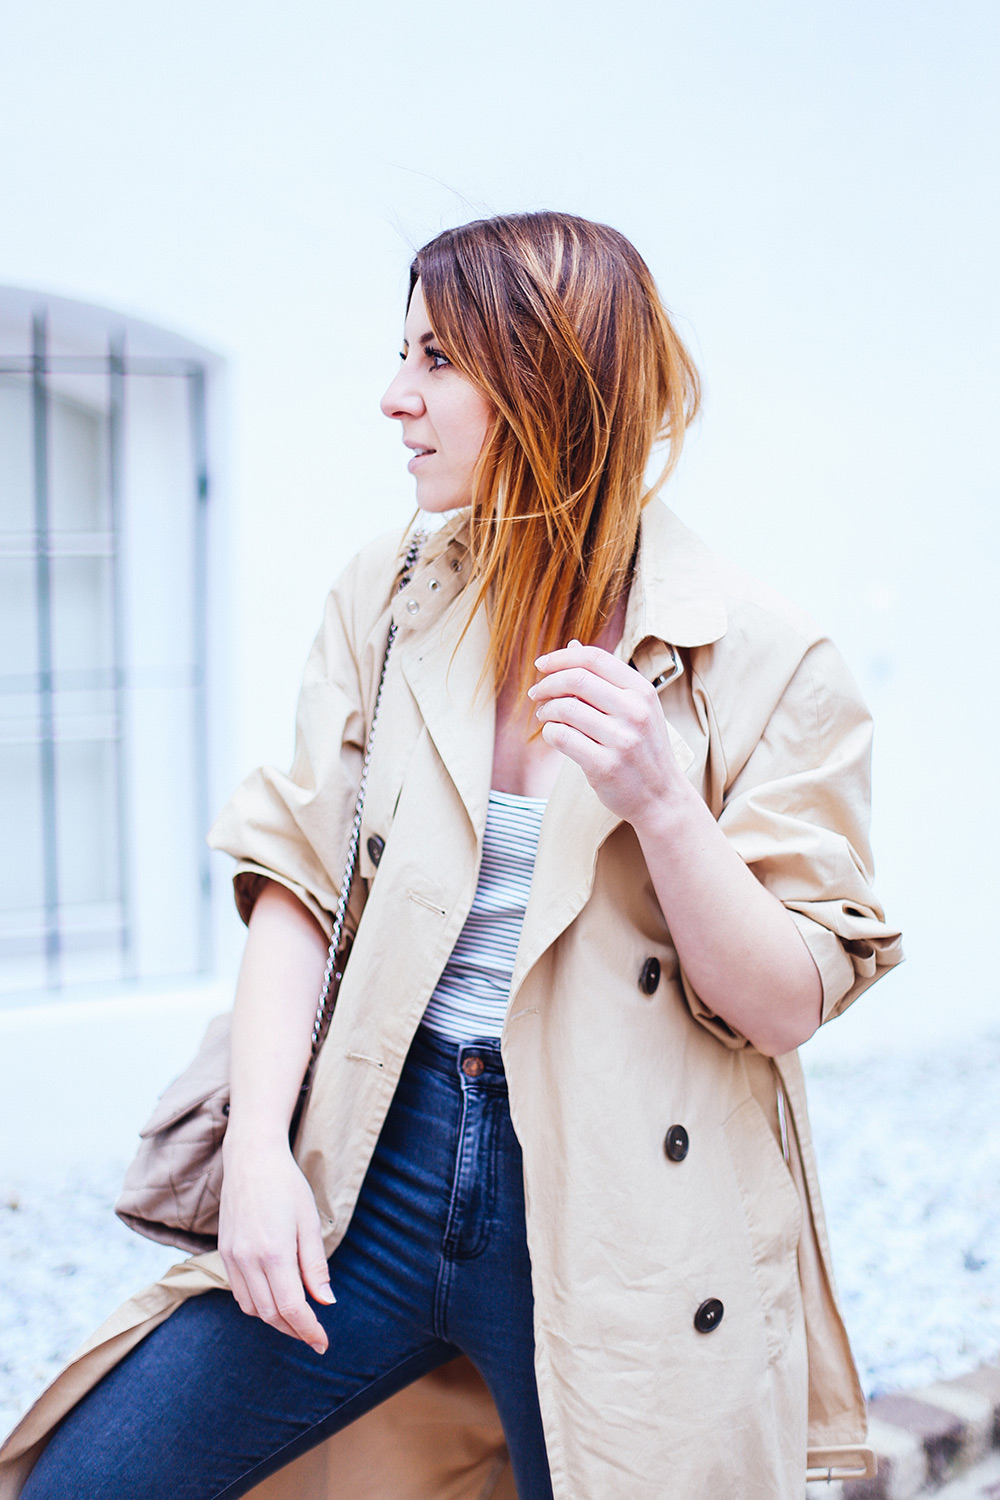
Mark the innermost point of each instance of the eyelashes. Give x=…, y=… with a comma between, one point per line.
x=437, y=356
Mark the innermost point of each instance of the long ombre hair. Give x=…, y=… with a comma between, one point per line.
x=558, y=321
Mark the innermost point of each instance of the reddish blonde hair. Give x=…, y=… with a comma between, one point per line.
x=559, y=322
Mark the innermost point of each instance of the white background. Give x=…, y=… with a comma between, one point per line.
x=815, y=188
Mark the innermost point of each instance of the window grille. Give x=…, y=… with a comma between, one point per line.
x=78, y=701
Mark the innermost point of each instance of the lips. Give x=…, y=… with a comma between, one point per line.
x=419, y=455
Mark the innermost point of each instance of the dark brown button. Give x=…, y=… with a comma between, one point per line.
x=709, y=1315
x=375, y=847
x=677, y=1143
x=472, y=1066
x=650, y=976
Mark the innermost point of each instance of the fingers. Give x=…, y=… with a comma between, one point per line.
x=604, y=728
x=593, y=659
x=603, y=714
x=280, y=1300
x=594, y=760
x=578, y=682
x=238, y=1286
x=271, y=1244
x=312, y=1261
x=596, y=677
x=593, y=692
x=267, y=1285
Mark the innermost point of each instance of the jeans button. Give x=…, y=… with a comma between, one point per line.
x=472, y=1066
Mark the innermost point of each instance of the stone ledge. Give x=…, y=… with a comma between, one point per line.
x=986, y=1382
x=924, y=1438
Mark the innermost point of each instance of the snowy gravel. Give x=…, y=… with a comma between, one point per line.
x=909, y=1158
x=909, y=1154
x=66, y=1262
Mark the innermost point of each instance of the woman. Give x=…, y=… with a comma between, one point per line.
x=581, y=702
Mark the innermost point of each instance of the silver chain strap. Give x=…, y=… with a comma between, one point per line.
x=331, y=973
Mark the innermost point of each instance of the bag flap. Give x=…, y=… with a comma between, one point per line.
x=208, y=1074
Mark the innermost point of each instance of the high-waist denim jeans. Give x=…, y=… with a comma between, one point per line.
x=435, y=1263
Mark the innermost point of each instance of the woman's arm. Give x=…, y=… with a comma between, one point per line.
x=269, y=1229
x=738, y=945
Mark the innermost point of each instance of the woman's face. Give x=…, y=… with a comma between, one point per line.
x=445, y=418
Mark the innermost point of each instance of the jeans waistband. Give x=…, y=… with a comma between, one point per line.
x=475, y=1060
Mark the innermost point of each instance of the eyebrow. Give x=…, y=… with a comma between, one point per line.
x=425, y=338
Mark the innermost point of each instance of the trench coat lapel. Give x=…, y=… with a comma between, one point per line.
x=574, y=827
x=444, y=674
x=675, y=600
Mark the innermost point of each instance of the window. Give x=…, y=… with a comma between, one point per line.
x=103, y=621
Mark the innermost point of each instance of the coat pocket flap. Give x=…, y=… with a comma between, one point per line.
x=207, y=1075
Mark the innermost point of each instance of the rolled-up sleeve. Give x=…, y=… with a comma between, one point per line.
x=292, y=827
x=796, y=808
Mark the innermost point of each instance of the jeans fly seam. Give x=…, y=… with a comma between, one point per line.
x=481, y=1121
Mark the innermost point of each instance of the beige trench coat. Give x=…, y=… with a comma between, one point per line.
x=625, y=1244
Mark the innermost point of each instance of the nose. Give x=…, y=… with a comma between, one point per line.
x=401, y=398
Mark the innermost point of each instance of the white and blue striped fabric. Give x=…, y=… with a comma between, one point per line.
x=470, y=1000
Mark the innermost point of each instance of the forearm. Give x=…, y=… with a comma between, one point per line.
x=738, y=946
x=273, y=1011
x=269, y=1231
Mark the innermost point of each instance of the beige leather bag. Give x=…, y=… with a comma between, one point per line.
x=172, y=1188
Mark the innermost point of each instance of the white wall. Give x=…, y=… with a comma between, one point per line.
x=813, y=186
x=78, y=1076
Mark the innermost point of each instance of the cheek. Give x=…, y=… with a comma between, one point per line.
x=479, y=418
x=461, y=417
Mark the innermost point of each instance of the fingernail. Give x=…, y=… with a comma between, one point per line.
x=326, y=1296
x=540, y=661
x=531, y=692
x=575, y=642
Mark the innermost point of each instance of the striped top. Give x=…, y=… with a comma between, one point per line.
x=470, y=1000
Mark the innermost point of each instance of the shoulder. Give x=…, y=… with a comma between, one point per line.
x=359, y=601
x=770, y=656
x=372, y=569
x=768, y=637
x=776, y=672
x=359, y=605
x=713, y=606
x=754, y=606
x=368, y=581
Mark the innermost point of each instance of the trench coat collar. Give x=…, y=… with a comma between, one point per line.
x=674, y=601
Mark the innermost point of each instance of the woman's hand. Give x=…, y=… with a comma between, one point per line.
x=738, y=946
x=270, y=1239
x=269, y=1229
x=603, y=714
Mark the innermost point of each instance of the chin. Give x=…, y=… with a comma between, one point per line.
x=436, y=503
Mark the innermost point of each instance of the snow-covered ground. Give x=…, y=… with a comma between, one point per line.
x=909, y=1156
x=909, y=1153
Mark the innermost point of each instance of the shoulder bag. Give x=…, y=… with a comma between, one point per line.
x=172, y=1188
